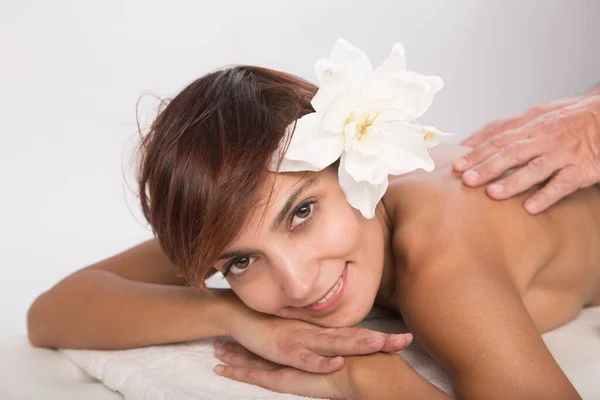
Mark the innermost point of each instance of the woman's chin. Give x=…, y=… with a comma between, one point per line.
x=343, y=317
x=341, y=321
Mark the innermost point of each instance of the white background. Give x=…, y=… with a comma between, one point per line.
x=71, y=73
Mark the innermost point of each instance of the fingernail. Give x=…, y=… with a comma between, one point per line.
x=471, y=176
x=409, y=337
x=532, y=206
x=218, y=369
x=336, y=360
x=397, y=336
x=497, y=188
x=460, y=163
x=217, y=343
x=220, y=351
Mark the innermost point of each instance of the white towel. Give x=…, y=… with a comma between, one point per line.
x=184, y=371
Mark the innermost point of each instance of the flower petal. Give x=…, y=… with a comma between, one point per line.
x=406, y=97
x=361, y=195
x=311, y=148
x=395, y=63
x=434, y=136
x=361, y=167
x=402, y=146
x=346, y=70
x=331, y=84
x=295, y=166
x=335, y=117
x=357, y=68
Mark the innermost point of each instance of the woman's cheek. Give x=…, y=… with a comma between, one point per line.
x=257, y=297
x=341, y=231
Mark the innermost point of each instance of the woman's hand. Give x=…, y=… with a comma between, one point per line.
x=247, y=367
x=303, y=345
x=560, y=140
x=374, y=376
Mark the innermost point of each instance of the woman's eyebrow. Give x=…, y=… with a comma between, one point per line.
x=290, y=202
x=278, y=220
x=234, y=254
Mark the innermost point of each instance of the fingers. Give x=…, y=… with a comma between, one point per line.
x=355, y=341
x=485, y=133
x=502, y=125
x=491, y=147
x=308, y=360
x=347, y=341
x=238, y=356
x=562, y=184
x=559, y=138
x=397, y=342
x=537, y=170
x=505, y=125
x=253, y=376
x=285, y=380
x=300, y=355
x=515, y=155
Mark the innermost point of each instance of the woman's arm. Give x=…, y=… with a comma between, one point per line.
x=136, y=299
x=384, y=376
x=471, y=318
x=132, y=299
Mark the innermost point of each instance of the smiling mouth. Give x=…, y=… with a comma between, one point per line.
x=333, y=297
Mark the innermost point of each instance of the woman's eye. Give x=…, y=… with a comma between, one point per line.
x=302, y=213
x=239, y=265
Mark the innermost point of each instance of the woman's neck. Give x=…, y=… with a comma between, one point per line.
x=387, y=283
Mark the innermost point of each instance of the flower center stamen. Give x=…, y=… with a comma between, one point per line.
x=366, y=123
x=428, y=134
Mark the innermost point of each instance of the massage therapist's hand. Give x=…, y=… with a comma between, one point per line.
x=560, y=141
x=303, y=345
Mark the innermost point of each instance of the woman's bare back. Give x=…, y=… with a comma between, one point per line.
x=553, y=258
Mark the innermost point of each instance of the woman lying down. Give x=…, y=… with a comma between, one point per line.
x=315, y=204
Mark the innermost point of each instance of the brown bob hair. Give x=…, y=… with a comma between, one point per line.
x=204, y=159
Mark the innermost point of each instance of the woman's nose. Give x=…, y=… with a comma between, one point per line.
x=298, y=272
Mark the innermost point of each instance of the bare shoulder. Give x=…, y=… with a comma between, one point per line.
x=434, y=213
x=144, y=262
x=459, y=256
x=439, y=221
x=459, y=310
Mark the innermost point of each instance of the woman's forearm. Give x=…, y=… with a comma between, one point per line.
x=97, y=309
x=388, y=376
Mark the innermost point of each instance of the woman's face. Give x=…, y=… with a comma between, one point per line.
x=312, y=257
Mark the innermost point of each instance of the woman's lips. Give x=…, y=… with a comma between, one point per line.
x=333, y=296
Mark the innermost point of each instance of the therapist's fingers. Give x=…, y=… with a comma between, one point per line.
x=502, y=125
x=484, y=133
x=497, y=127
x=565, y=182
x=537, y=170
x=491, y=147
x=511, y=156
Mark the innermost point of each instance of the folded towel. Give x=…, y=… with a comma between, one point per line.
x=183, y=371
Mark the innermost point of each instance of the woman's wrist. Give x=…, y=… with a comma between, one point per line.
x=384, y=376
x=231, y=314
x=225, y=308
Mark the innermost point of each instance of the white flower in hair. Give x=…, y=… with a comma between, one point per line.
x=367, y=119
